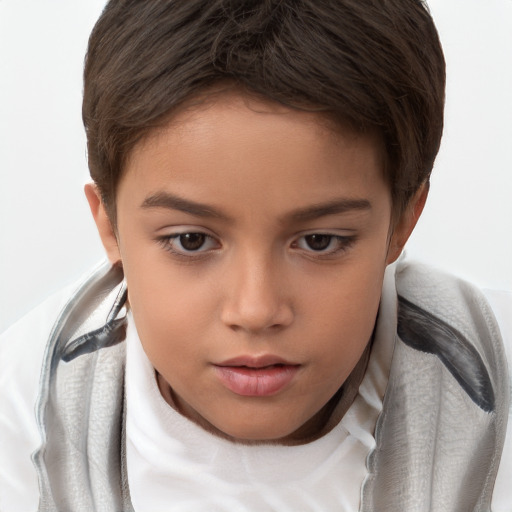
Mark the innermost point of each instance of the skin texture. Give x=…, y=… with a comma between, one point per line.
x=257, y=284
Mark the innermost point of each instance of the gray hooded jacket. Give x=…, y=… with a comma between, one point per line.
x=438, y=439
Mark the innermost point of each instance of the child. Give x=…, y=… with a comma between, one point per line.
x=254, y=344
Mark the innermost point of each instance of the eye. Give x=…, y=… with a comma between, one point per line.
x=318, y=242
x=323, y=243
x=189, y=243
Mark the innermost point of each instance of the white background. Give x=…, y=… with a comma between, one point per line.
x=47, y=238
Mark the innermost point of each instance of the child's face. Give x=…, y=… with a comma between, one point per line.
x=254, y=241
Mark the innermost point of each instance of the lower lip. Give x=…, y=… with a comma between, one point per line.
x=246, y=381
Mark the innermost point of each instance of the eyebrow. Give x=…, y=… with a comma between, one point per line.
x=333, y=207
x=173, y=202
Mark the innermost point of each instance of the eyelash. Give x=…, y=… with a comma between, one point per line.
x=168, y=242
x=342, y=244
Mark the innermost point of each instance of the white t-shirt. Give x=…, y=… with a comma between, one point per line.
x=171, y=460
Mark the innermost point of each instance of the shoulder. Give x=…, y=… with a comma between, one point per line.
x=22, y=349
x=438, y=293
x=455, y=299
x=23, y=344
x=501, y=303
x=469, y=330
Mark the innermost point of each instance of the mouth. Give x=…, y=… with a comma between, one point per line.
x=256, y=376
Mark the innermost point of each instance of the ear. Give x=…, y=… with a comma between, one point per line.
x=105, y=229
x=406, y=223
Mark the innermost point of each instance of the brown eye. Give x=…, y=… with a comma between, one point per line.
x=189, y=244
x=318, y=242
x=192, y=241
x=324, y=245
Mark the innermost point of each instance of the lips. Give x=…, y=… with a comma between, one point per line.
x=256, y=376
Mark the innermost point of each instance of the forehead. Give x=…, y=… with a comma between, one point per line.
x=232, y=141
x=227, y=106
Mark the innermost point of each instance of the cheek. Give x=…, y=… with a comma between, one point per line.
x=345, y=316
x=171, y=309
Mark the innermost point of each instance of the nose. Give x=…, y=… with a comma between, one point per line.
x=257, y=299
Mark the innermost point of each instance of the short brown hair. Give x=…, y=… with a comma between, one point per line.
x=376, y=64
